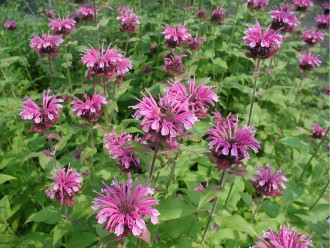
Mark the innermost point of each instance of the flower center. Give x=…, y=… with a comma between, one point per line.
x=124, y=208
x=166, y=112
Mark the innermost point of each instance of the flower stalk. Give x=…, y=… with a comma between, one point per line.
x=153, y=161
x=314, y=154
x=213, y=207
x=254, y=90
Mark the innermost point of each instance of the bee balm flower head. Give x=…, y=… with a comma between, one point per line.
x=10, y=25
x=318, y=132
x=194, y=43
x=46, y=45
x=175, y=37
x=66, y=186
x=308, y=61
x=124, y=208
x=199, y=98
x=267, y=183
x=91, y=109
x=312, y=37
x=173, y=64
x=106, y=62
x=284, y=238
x=257, y=4
x=114, y=143
x=229, y=144
x=42, y=117
x=302, y=5
x=284, y=19
x=62, y=26
x=326, y=7
x=129, y=20
x=85, y=13
x=262, y=45
x=218, y=15
x=164, y=121
x=323, y=21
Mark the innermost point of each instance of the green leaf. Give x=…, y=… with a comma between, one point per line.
x=63, y=141
x=236, y=223
x=208, y=196
x=61, y=229
x=87, y=153
x=294, y=143
x=112, y=105
x=172, y=208
x=5, y=178
x=41, y=156
x=5, y=211
x=219, y=63
x=49, y=215
x=82, y=240
x=103, y=22
x=242, y=9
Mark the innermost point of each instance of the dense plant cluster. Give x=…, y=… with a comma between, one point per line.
x=164, y=124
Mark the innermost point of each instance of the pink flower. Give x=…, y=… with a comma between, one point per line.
x=127, y=158
x=199, y=98
x=122, y=209
x=66, y=186
x=42, y=117
x=46, y=45
x=326, y=90
x=257, y=4
x=129, y=20
x=262, y=45
x=268, y=183
x=230, y=144
x=308, y=61
x=91, y=109
x=49, y=12
x=201, y=14
x=175, y=37
x=284, y=238
x=10, y=25
x=323, y=21
x=62, y=26
x=312, y=37
x=86, y=13
x=164, y=121
x=201, y=188
x=106, y=62
x=173, y=64
x=318, y=132
x=218, y=15
x=326, y=7
x=194, y=43
x=284, y=19
x=302, y=5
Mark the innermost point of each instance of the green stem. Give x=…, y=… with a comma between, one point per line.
x=92, y=158
x=213, y=208
x=67, y=67
x=153, y=161
x=52, y=151
x=138, y=243
x=50, y=72
x=254, y=90
x=310, y=160
x=324, y=189
x=95, y=24
x=105, y=93
x=126, y=46
x=229, y=193
x=298, y=91
x=253, y=216
x=164, y=11
x=172, y=173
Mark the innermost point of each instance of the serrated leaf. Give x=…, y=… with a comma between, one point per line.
x=87, y=153
x=206, y=198
x=63, y=141
x=49, y=215
x=33, y=155
x=238, y=223
x=82, y=240
x=172, y=208
x=5, y=178
x=104, y=21
x=60, y=230
x=5, y=211
x=112, y=105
